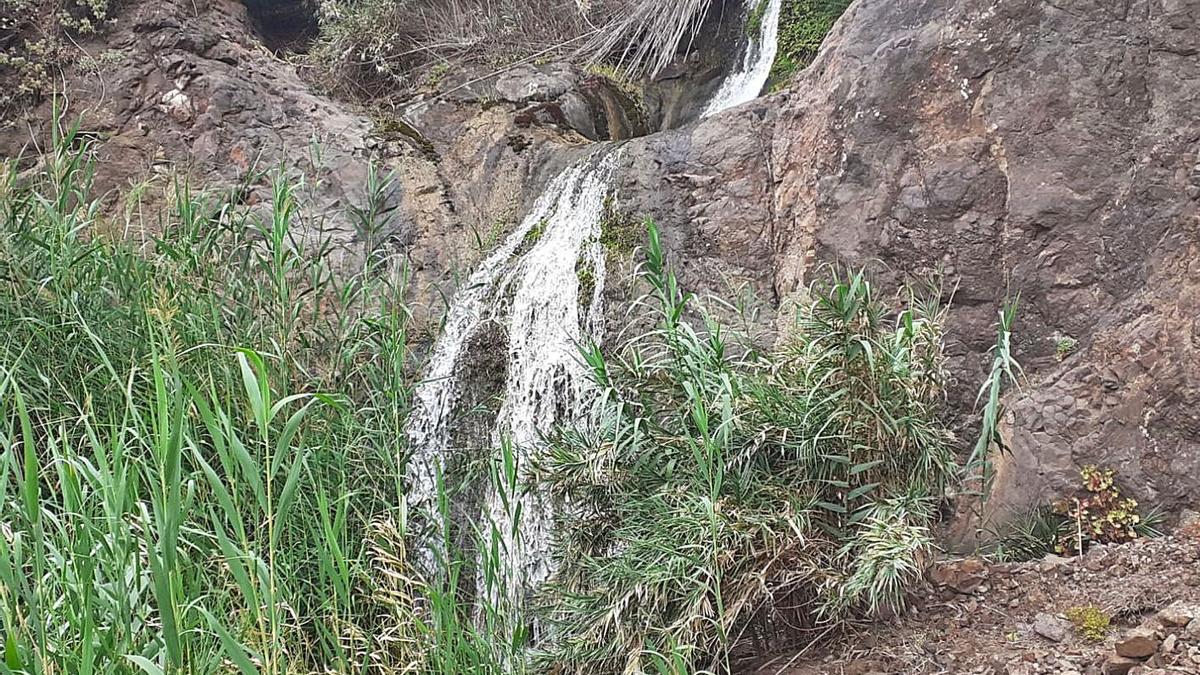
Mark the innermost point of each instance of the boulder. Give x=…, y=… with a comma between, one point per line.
x=1177, y=615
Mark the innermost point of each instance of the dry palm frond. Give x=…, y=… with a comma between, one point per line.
x=648, y=35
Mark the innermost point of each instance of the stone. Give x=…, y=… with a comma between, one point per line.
x=962, y=576
x=1138, y=643
x=1119, y=665
x=1177, y=615
x=1052, y=563
x=1051, y=627
x=1169, y=643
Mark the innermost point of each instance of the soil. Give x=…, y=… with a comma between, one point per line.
x=1005, y=618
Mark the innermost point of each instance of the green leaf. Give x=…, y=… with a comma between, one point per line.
x=233, y=649
x=145, y=664
x=860, y=491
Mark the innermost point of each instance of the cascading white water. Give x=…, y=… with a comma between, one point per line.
x=544, y=372
x=548, y=383
x=537, y=296
x=747, y=82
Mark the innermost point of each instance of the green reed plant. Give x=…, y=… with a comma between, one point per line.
x=169, y=505
x=719, y=490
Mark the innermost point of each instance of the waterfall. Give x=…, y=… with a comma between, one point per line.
x=747, y=82
x=531, y=285
x=546, y=378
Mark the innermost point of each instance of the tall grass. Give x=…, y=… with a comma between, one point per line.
x=723, y=496
x=201, y=437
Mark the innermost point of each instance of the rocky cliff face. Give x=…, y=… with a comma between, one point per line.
x=1049, y=150
x=1018, y=146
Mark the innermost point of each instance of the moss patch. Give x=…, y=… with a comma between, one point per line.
x=803, y=25
x=586, y=276
x=388, y=126
x=1090, y=622
x=620, y=233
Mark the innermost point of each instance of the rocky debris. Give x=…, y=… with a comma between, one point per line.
x=1014, y=623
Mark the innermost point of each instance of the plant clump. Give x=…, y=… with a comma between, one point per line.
x=1064, y=347
x=35, y=44
x=1091, y=622
x=719, y=486
x=1100, y=514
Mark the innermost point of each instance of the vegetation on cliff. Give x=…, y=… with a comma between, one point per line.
x=202, y=443
x=803, y=25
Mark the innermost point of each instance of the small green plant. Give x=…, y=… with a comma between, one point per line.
x=1064, y=347
x=1029, y=536
x=587, y=282
x=1099, y=513
x=620, y=233
x=979, y=468
x=436, y=74
x=1091, y=622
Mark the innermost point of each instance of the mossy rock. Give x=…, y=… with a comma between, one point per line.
x=803, y=25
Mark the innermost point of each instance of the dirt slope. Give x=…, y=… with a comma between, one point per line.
x=1011, y=619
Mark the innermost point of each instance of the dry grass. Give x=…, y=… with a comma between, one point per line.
x=398, y=47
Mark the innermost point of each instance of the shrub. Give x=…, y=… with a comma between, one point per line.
x=718, y=485
x=35, y=41
x=1098, y=513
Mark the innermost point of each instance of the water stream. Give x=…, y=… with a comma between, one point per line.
x=531, y=284
x=747, y=82
x=540, y=290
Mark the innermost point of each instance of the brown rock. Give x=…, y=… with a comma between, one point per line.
x=1169, y=643
x=961, y=576
x=1177, y=615
x=1120, y=665
x=1138, y=643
